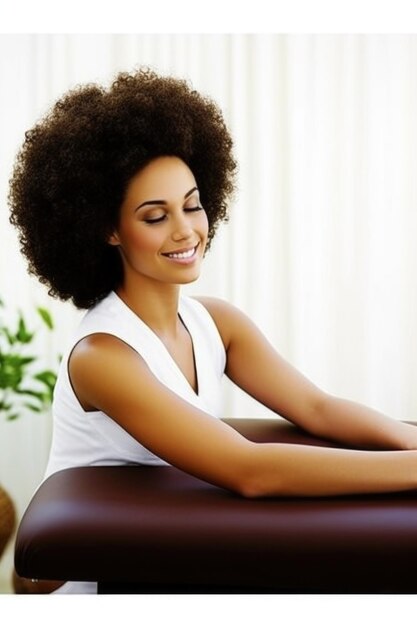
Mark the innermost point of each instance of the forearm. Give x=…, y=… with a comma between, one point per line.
x=296, y=470
x=357, y=425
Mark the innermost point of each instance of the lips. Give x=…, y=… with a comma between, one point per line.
x=183, y=253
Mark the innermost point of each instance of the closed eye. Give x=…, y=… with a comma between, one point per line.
x=157, y=220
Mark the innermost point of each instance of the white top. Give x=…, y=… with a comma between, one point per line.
x=82, y=437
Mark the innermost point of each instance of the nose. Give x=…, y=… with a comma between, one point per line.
x=182, y=229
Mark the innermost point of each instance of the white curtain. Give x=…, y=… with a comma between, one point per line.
x=320, y=250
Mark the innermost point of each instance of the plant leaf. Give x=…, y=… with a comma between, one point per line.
x=30, y=392
x=10, y=338
x=19, y=387
x=19, y=361
x=10, y=373
x=46, y=316
x=23, y=335
x=12, y=417
x=47, y=377
x=33, y=407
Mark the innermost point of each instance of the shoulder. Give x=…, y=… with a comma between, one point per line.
x=216, y=306
x=92, y=351
x=226, y=316
x=96, y=359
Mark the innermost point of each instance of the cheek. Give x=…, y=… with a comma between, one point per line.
x=143, y=240
x=204, y=224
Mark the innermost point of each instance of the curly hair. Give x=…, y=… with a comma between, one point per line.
x=70, y=175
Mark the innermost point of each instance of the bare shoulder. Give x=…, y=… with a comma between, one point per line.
x=226, y=316
x=88, y=363
x=93, y=347
x=97, y=351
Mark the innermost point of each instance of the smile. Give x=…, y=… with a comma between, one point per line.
x=182, y=255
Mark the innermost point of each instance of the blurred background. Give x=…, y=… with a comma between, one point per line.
x=321, y=247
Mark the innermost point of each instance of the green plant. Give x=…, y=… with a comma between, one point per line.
x=21, y=385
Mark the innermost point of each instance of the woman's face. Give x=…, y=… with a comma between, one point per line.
x=162, y=231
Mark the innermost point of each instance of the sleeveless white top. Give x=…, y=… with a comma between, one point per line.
x=82, y=438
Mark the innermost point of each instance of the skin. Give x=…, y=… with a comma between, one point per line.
x=110, y=376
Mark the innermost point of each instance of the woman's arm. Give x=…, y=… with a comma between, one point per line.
x=355, y=424
x=254, y=365
x=108, y=375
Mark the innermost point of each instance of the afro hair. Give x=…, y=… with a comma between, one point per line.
x=70, y=176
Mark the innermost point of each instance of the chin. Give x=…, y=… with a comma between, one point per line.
x=187, y=281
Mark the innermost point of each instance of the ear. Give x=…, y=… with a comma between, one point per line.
x=114, y=240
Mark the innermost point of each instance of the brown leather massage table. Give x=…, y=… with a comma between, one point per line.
x=137, y=529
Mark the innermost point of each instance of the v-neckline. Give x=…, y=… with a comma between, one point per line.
x=194, y=358
x=174, y=364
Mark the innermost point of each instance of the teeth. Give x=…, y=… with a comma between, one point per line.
x=182, y=255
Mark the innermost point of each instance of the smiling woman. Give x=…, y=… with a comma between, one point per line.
x=89, y=147
x=138, y=179
x=174, y=229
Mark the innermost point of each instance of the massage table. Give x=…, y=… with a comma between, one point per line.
x=143, y=529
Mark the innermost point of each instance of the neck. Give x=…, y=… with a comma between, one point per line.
x=155, y=303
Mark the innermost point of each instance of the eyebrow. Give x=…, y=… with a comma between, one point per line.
x=158, y=202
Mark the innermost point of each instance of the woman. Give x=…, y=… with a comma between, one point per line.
x=117, y=195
